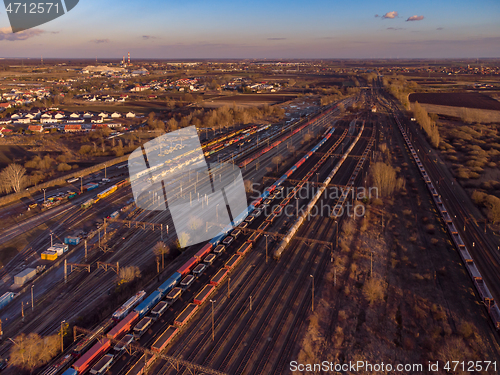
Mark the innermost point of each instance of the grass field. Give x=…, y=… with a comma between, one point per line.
x=10, y=153
x=485, y=115
x=457, y=99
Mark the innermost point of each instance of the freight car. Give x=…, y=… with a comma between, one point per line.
x=185, y=315
x=165, y=338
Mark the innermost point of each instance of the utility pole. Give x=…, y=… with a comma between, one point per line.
x=85, y=251
x=228, y=288
x=250, y=303
x=371, y=264
x=81, y=184
x=213, y=324
x=312, y=299
x=65, y=271
x=266, y=246
x=62, y=336
x=51, y=234
x=32, y=299
x=44, y=195
x=105, y=175
x=22, y=310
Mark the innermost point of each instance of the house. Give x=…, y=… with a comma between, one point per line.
x=4, y=130
x=5, y=121
x=103, y=115
x=4, y=106
x=130, y=115
x=99, y=126
x=74, y=115
x=16, y=116
x=72, y=128
x=35, y=128
x=24, y=120
x=96, y=119
x=59, y=115
x=49, y=120
x=75, y=121
x=87, y=115
x=35, y=113
x=116, y=115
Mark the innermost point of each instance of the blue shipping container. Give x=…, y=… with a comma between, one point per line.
x=70, y=371
x=72, y=240
x=5, y=299
x=170, y=283
x=148, y=303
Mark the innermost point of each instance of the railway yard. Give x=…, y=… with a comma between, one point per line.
x=241, y=302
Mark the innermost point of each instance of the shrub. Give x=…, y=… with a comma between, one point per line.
x=128, y=274
x=63, y=167
x=492, y=204
x=85, y=149
x=373, y=290
x=466, y=329
x=478, y=196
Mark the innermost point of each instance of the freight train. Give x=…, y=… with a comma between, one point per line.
x=481, y=287
x=154, y=304
x=103, y=194
x=320, y=117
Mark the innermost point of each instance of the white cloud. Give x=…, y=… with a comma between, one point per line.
x=391, y=15
x=7, y=34
x=415, y=18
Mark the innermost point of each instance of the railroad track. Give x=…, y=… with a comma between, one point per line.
x=480, y=246
x=216, y=347
x=129, y=240
x=260, y=282
x=290, y=339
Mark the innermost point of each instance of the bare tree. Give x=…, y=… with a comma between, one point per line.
x=13, y=177
x=160, y=249
x=195, y=223
x=248, y=186
x=427, y=123
x=373, y=290
x=128, y=274
x=384, y=178
x=172, y=124
x=32, y=351
x=276, y=161
x=183, y=239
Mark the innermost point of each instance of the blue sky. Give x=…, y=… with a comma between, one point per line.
x=263, y=29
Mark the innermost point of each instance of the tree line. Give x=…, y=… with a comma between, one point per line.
x=223, y=117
